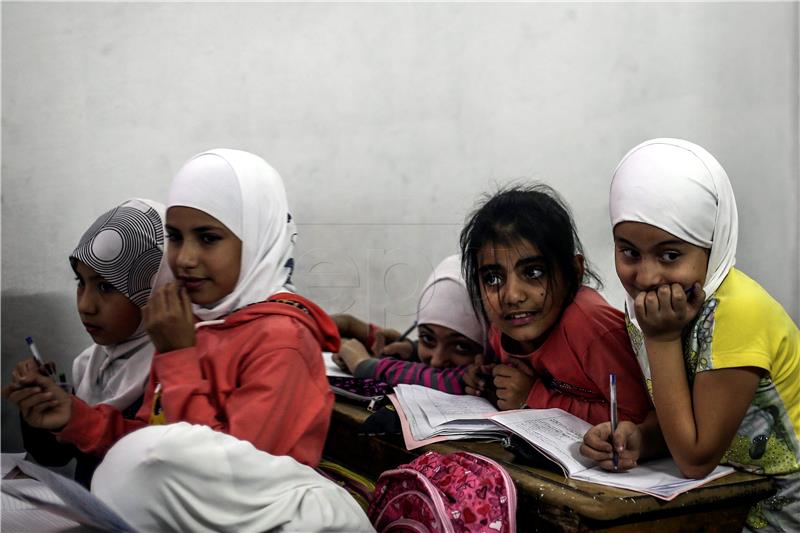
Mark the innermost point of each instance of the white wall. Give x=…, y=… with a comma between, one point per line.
x=387, y=122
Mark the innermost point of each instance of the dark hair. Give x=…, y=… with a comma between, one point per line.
x=537, y=214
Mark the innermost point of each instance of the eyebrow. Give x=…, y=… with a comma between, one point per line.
x=455, y=335
x=199, y=229
x=537, y=259
x=669, y=242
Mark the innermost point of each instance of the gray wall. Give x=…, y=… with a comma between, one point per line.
x=387, y=122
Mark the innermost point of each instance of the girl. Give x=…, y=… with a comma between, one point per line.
x=251, y=367
x=450, y=337
x=118, y=263
x=721, y=357
x=255, y=351
x=557, y=339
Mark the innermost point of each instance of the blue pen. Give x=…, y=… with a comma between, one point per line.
x=37, y=355
x=612, y=383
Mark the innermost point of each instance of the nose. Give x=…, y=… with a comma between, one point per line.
x=440, y=358
x=649, y=275
x=87, y=304
x=514, y=291
x=185, y=255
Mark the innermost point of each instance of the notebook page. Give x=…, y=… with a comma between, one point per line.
x=554, y=432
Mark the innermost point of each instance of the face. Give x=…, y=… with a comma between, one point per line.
x=521, y=297
x=203, y=253
x=442, y=347
x=107, y=314
x=647, y=257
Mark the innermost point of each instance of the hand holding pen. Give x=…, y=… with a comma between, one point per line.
x=46, y=369
x=612, y=384
x=400, y=347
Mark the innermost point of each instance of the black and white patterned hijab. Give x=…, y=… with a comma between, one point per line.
x=126, y=247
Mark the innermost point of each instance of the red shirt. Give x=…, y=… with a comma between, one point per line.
x=572, y=365
x=258, y=376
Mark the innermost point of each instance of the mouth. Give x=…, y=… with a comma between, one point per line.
x=92, y=329
x=191, y=283
x=520, y=318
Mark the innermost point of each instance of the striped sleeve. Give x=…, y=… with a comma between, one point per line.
x=396, y=371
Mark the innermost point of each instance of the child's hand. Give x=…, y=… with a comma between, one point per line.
x=169, y=320
x=28, y=368
x=42, y=403
x=478, y=377
x=514, y=382
x=384, y=338
x=400, y=350
x=627, y=440
x=663, y=313
x=350, y=355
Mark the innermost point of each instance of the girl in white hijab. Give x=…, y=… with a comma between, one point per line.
x=720, y=356
x=237, y=403
x=450, y=336
x=118, y=263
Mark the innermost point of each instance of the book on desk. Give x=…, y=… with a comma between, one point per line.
x=428, y=416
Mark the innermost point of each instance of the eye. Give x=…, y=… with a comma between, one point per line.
x=630, y=253
x=491, y=279
x=670, y=256
x=209, y=238
x=427, y=339
x=79, y=280
x=106, y=287
x=533, y=272
x=173, y=236
x=464, y=348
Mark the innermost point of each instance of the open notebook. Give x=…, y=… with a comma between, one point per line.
x=428, y=415
x=68, y=501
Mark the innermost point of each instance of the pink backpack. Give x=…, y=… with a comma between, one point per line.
x=457, y=493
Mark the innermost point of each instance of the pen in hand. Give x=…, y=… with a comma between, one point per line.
x=405, y=334
x=38, y=357
x=612, y=383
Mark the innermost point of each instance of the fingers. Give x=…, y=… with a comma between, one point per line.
x=521, y=366
x=339, y=361
x=402, y=350
x=185, y=303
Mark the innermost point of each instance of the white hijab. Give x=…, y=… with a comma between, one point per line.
x=126, y=247
x=246, y=194
x=445, y=301
x=184, y=477
x=679, y=187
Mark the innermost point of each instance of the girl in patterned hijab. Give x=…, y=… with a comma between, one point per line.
x=118, y=263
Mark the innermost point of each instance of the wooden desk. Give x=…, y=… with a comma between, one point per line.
x=547, y=501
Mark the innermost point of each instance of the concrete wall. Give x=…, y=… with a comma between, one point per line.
x=387, y=122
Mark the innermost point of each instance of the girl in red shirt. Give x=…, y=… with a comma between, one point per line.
x=556, y=340
x=236, y=349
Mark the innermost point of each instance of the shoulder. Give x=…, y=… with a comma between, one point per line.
x=590, y=312
x=748, y=325
x=742, y=298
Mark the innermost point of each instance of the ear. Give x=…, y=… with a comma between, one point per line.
x=580, y=269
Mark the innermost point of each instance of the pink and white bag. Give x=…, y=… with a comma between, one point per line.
x=458, y=493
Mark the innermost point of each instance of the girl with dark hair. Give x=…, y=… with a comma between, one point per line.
x=556, y=340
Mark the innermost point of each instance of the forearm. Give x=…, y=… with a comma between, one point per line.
x=351, y=327
x=676, y=418
x=395, y=371
x=94, y=429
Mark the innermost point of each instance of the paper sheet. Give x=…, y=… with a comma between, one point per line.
x=331, y=368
